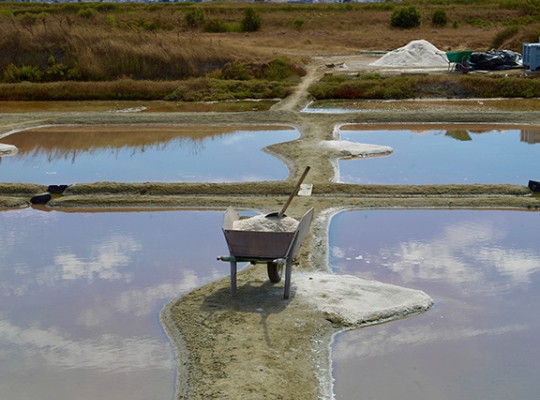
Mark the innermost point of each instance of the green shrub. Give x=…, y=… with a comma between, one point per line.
x=59, y=72
x=195, y=17
x=27, y=19
x=24, y=73
x=298, y=23
x=6, y=13
x=251, y=21
x=281, y=68
x=439, y=17
x=370, y=76
x=87, y=13
x=111, y=20
x=236, y=70
x=406, y=18
x=278, y=69
x=216, y=25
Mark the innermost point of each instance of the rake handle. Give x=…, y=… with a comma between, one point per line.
x=280, y=214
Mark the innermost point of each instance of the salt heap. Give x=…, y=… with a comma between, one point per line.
x=346, y=149
x=8, y=150
x=263, y=223
x=418, y=53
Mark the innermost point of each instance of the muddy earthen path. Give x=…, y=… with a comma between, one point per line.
x=257, y=345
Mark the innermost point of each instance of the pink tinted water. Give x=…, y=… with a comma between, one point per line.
x=80, y=296
x=480, y=340
x=162, y=153
x=441, y=154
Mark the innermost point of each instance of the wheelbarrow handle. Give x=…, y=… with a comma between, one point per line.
x=280, y=214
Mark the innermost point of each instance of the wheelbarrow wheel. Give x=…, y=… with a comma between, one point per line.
x=274, y=271
x=463, y=67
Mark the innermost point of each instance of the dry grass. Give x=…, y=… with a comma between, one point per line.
x=153, y=42
x=143, y=39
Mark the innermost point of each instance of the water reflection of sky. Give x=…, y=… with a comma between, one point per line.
x=445, y=155
x=483, y=270
x=65, y=155
x=80, y=296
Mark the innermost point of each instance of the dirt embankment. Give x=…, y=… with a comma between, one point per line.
x=258, y=345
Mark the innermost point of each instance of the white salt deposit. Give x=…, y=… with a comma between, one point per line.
x=343, y=148
x=350, y=301
x=418, y=53
x=263, y=223
x=8, y=150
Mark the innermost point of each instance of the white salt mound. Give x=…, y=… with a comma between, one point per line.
x=418, y=53
x=8, y=150
x=344, y=148
x=350, y=301
x=262, y=223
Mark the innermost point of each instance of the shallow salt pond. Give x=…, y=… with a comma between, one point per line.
x=482, y=268
x=444, y=154
x=80, y=295
x=157, y=153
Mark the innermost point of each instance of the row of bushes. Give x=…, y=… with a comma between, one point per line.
x=216, y=18
x=234, y=80
x=196, y=17
x=123, y=89
x=374, y=86
x=278, y=69
x=197, y=89
x=370, y=86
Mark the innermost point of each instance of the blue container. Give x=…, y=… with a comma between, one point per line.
x=531, y=56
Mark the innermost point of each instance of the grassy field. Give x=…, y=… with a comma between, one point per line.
x=203, y=51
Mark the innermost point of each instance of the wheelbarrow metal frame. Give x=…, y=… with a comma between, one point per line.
x=458, y=60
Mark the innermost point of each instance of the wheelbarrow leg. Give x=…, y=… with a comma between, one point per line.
x=288, y=271
x=233, y=278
